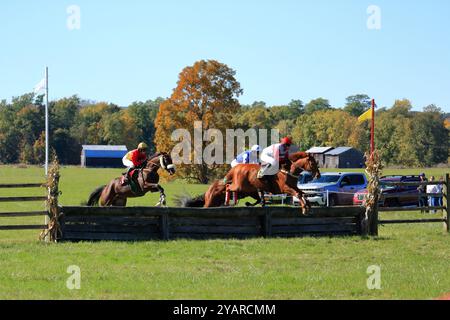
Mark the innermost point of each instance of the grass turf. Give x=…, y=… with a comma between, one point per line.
x=414, y=259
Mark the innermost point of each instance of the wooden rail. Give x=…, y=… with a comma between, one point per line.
x=23, y=214
x=23, y=227
x=21, y=185
x=410, y=221
x=407, y=209
x=22, y=199
x=411, y=195
x=413, y=184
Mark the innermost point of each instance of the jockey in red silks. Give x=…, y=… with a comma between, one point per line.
x=273, y=156
x=135, y=159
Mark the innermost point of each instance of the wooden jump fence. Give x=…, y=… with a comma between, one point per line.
x=16, y=199
x=151, y=223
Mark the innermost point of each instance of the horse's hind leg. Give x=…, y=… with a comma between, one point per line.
x=258, y=199
x=263, y=199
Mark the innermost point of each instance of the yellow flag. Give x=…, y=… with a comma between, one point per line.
x=365, y=116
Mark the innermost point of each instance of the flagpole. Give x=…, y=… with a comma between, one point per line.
x=46, y=121
x=372, y=130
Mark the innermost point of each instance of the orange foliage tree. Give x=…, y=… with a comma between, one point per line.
x=206, y=92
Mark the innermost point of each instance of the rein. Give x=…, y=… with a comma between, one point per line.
x=154, y=165
x=159, y=164
x=289, y=174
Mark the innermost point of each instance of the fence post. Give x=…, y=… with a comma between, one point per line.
x=446, y=202
x=374, y=221
x=267, y=223
x=165, y=226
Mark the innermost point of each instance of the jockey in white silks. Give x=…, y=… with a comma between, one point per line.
x=273, y=156
x=247, y=157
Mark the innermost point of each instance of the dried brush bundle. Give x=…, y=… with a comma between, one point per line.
x=53, y=230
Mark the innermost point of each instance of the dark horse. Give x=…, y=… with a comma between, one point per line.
x=115, y=194
x=242, y=180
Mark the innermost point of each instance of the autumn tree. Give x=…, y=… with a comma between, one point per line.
x=356, y=105
x=329, y=128
x=88, y=127
x=143, y=114
x=318, y=104
x=206, y=92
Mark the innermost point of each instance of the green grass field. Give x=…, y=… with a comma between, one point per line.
x=414, y=259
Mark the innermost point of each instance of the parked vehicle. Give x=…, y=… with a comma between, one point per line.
x=333, y=188
x=412, y=200
x=305, y=177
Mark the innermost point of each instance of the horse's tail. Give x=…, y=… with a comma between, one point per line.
x=95, y=197
x=186, y=201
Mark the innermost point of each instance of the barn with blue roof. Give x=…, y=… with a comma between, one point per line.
x=345, y=158
x=102, y=156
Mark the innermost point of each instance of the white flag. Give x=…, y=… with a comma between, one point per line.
x=40, y=86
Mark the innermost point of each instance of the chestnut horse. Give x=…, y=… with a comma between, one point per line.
x=244, y=176
x=244, y=180
x=115, y=194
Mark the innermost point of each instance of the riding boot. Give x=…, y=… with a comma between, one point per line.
x=263, y=170
x=127, y=177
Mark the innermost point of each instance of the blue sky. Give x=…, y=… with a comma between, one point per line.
x=281, y=50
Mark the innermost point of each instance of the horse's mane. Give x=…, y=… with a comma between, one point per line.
x=297, y=156
x=155, y=155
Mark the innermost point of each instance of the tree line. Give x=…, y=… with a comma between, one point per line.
x=208, y=91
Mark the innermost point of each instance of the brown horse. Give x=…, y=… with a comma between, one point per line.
x=115, y=194
x=245, y=176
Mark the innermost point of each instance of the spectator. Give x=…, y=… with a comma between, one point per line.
x=422, y=189
x=440, y=189
x=432, y=189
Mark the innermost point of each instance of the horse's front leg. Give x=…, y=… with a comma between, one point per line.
x=297, y=193
x=162, y=196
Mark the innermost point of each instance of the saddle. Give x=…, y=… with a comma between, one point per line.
x=131, y=178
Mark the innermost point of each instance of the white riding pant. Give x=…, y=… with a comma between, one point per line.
x=274, y=164
x=127, y=163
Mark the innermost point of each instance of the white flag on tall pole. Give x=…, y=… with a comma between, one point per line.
x=40, y=86
x=43, y=85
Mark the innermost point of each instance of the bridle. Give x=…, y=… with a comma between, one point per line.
x=164, y=166
x=290, y=174
x=312, y=166
x=160, y=163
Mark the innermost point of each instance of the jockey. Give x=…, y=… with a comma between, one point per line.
x=135, y=159
x=273, y=156
x=247, y=157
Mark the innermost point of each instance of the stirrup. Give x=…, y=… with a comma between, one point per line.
x=260, y=174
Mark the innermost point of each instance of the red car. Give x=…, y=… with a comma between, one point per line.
x=359, y=197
